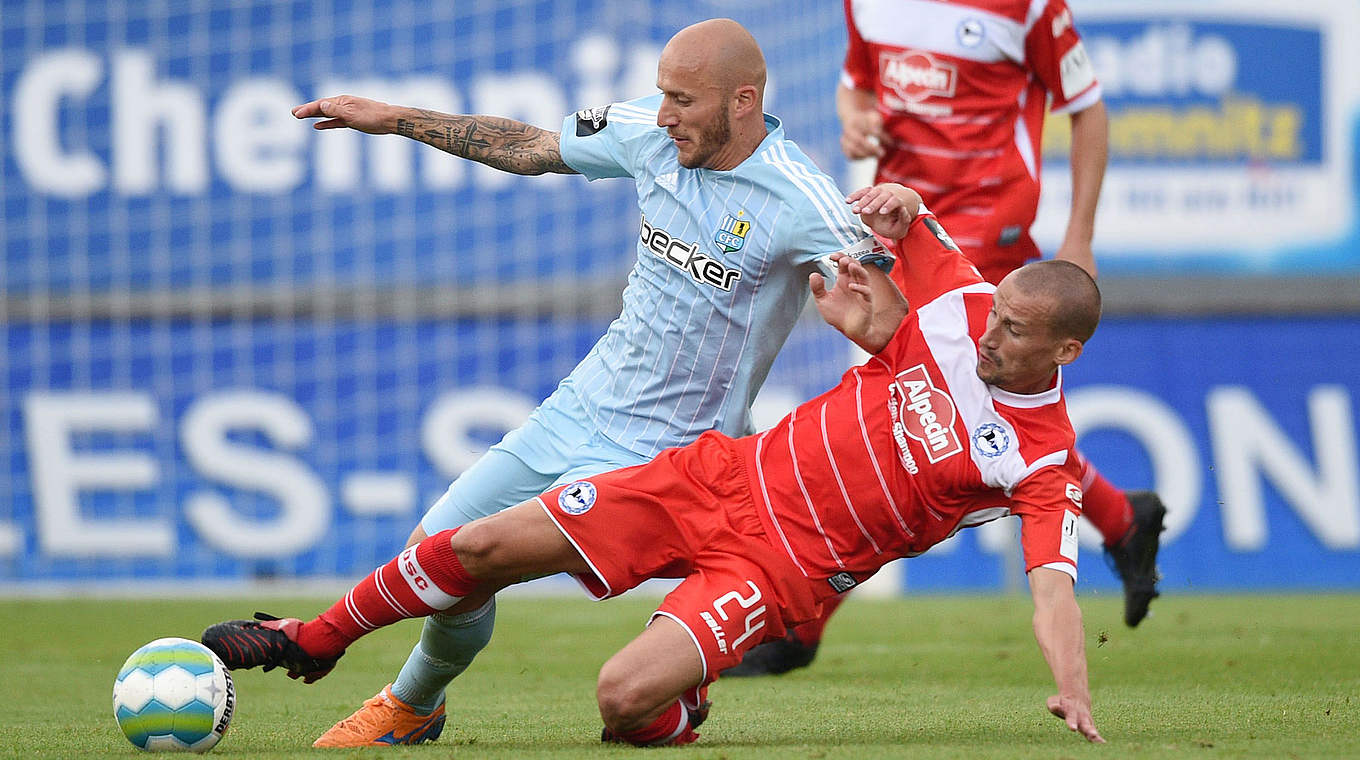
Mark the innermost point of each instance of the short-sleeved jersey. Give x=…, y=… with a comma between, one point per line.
x=912, y=446
x=963, y=87
x=723, y=259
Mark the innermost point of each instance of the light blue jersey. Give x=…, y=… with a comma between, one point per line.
x=721, y=276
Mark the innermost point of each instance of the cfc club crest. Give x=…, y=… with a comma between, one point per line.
x=732, y=234
x=577, y=498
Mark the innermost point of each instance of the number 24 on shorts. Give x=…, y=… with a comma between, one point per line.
x=755, y=618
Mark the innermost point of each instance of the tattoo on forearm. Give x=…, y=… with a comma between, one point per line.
x=504, y=144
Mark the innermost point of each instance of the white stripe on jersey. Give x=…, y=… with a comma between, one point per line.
x=769, y=508
x=1022, y=142
x=807, y=499
x=733, y=299
x=933, y=25
x=947, y=153
x=840, y=483
x=873, y=460
x=1036, y=9
x=631, y=110
x=1056, y=459
x=814, y=187
x=640, y=120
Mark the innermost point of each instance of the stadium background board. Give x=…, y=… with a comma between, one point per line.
x=237, y=349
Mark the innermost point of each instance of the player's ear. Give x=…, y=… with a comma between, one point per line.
x=744, y=100
x=1068, y=351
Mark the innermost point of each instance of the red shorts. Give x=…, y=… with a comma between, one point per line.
x=687, y=514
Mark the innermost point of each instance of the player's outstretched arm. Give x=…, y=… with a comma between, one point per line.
x=1057, y=627
x=504, y=144
x=1090, y=153
x=864, y=303
x=888, y=208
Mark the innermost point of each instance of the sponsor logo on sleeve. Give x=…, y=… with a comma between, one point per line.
x=1068, y=547
x=1075, y=71
x=591, y=120
x=1074, y=494
x=938, y=230
x=926, y=414
x=577, y=498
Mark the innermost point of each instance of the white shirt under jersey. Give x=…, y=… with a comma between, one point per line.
x=723, y=259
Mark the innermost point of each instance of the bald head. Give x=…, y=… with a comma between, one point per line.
x=712, y=79
x=722, y=51
x=1072, y=295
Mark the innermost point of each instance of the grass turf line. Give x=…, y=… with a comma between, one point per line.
x=925, y=677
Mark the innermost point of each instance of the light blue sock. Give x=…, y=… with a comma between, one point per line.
x=447, y=647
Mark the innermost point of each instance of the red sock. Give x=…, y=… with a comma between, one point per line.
x=671, y=728
x=1104, y=505
x=810, y=633
x=423, y=579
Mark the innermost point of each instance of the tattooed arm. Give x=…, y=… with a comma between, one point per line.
x=500, y=143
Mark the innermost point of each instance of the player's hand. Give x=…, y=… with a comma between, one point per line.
x=371, y=116
x=862, y=135
x=1077, y=714
x=888, y=209
x=847, y=304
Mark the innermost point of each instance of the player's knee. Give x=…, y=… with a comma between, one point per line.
x=481, y=548
x=623, y=704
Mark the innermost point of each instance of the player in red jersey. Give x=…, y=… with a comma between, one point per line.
x=956, y=419
x=950, y=97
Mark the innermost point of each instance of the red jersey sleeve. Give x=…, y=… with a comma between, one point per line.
x=859, y=72
x=929, y=264
x=1049, y=503
x=1053, y=51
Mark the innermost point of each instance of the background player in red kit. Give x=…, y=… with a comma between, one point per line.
x=950, y=97
x=956, y=419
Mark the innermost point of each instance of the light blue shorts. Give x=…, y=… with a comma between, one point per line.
x=556, y=445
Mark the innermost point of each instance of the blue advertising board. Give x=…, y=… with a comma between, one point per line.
x=1246, y=426
x=1232, y=137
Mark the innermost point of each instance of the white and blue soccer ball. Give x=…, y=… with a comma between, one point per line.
x=173, y=695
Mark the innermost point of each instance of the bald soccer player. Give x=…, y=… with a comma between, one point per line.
x=734, y=219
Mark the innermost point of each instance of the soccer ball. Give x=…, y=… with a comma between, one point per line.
x=173, y=695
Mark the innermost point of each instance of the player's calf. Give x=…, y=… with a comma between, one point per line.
x=423, y=579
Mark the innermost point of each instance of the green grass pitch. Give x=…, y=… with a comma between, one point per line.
x=927, y=677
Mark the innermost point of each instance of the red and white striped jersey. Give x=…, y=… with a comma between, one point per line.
x=912, y=446
x=963, y=86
